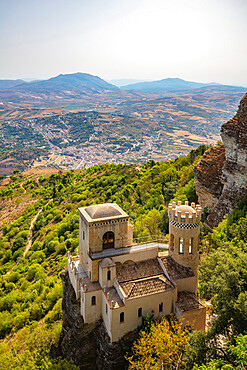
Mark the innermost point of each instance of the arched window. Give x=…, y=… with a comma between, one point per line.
x=106, y=309
x=109, y=275
x=83, y=235
x=161, y=307
x=122, y=317
x=108, y=240
x=181, y=245
x=93, y=300
x=191, y=246
x=140, y=312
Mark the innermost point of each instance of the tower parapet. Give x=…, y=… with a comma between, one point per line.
x=185, y=214
x=184, y=232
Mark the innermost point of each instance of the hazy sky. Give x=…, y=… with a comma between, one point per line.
x=198, y=40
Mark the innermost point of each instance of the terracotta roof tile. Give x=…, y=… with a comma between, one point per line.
x=188, y=301
x=175, y=270
x=142, y=287
x=130, y=270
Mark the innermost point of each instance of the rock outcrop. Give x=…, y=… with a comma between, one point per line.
x=208, y=174
x=221, y=175
x=88, y=345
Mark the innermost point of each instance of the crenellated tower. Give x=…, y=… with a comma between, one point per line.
x=184, y=234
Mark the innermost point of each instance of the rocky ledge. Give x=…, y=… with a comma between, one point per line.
x=88, y=345
x=208, y=173
x=221, y=175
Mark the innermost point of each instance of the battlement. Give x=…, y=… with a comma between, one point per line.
x=185, y=214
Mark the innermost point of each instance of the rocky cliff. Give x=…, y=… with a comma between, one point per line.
x=88, y=345
x=221, y=175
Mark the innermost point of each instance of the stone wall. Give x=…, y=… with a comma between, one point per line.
x=88, y=345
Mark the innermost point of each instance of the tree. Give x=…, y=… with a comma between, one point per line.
x=18, y=243
x=237, y=357
x=165, y=222
x=196, y=349
x=161, y=347
x=223, y=279
x=239, y=351
x=152, y=222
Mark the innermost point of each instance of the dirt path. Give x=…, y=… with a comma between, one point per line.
x=30, y=236
x=12, y=268
x=21, y=186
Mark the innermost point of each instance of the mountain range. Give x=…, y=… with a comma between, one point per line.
x=80, y=82
x=69, y=89
x=172, y=85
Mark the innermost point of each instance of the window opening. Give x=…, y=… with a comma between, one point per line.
x=161, y=307
x=122, y=317
x=172, y=242
x=181, y=245
x=190, y=246
x=108, y=275
x=140, y=312
x=108, y=240
x=83, y=235
x=93, y=300
x=106, y=308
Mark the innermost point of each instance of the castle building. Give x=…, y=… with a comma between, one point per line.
x=119, y=281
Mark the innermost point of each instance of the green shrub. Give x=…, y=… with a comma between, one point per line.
x=18, y=243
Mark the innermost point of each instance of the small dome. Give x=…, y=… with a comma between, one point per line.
x=107, y=262
x=102, y=211
x=185, y=208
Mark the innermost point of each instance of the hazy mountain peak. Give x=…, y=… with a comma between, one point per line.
x=6, y=84
x=166, y=84
x=77, y=83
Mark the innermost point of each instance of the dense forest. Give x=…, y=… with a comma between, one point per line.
x=30, y=264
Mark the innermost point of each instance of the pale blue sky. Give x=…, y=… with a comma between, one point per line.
x=198, y=40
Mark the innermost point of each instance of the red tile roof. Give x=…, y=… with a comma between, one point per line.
x=130, y=270
x=188, y=301
x=146, y=286
x=141, y=278
x=175, y=270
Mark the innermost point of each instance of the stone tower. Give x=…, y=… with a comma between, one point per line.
x=102, y=227
x=184, y=233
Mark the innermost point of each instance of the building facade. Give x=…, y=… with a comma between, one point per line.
x=119, y=281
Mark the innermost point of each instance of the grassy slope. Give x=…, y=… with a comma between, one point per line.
x=30, y=286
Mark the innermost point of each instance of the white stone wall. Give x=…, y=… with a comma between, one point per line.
x=97, y=230
x=89, y=312
x=107, y=316
x=189, y=284
x=137, y=256
x=73, y=278
x=83, y=242
x=197, y=318
x=103, y=276
x=185, y=259
x=149, y=304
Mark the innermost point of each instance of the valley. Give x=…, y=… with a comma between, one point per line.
x=77, y=121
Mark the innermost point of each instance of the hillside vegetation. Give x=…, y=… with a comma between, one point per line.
x=30, y=285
